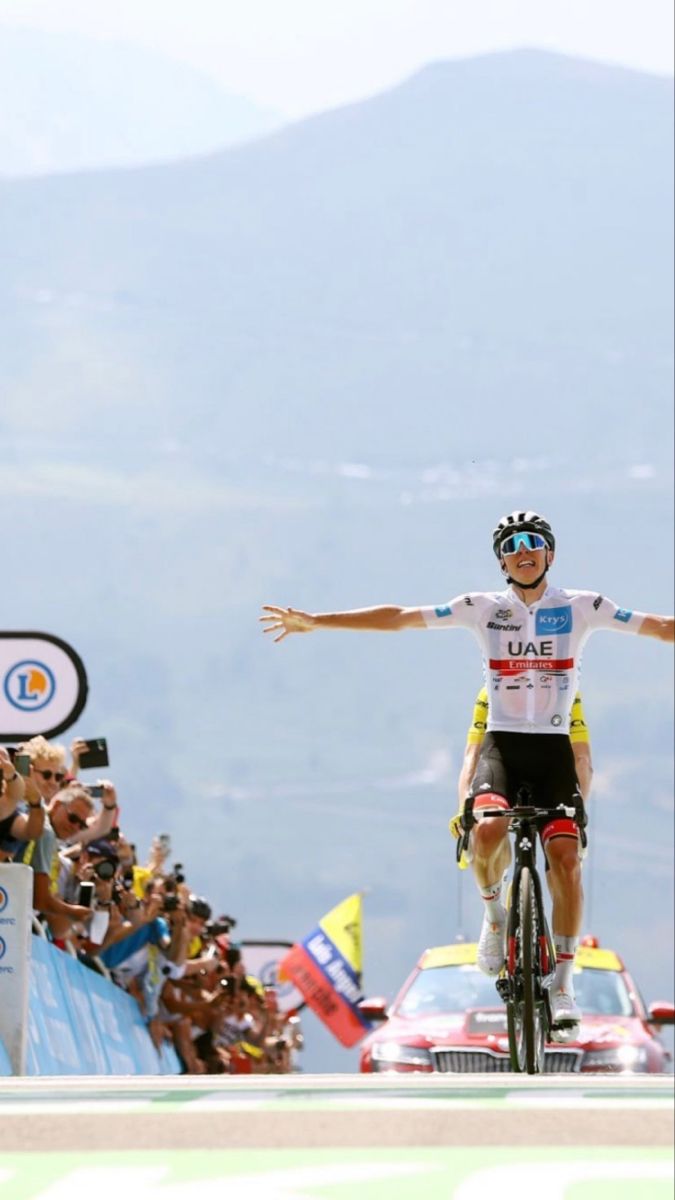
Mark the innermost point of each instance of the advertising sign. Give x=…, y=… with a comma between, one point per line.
x=262, y=960
x=16, y=898
x=43, y=686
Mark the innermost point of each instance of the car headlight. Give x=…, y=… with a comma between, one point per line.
x=389, y=1053
x=619, y=1058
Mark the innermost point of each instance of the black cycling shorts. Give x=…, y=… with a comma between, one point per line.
x=542, y=762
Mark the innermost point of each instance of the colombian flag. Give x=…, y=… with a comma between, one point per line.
x=326, y=968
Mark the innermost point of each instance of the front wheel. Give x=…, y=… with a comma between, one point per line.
x=526, y=1026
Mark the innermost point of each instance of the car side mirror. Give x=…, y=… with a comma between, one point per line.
x=374, y=1009
x=661, y=1013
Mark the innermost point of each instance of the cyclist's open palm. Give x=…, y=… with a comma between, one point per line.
x=282, y=621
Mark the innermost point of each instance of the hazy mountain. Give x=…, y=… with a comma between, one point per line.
x=314, y=370
x=70, y=103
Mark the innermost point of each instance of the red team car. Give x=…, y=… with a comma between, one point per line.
x=448, y=1017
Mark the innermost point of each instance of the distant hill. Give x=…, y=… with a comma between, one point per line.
x=494, y=234
x=71, y=103
x=314, y=370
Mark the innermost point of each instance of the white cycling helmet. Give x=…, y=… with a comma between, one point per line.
x=521, y=522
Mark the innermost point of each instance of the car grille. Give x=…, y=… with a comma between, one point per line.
x=470, y=1061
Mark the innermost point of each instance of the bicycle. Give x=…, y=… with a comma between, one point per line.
x=530, y=955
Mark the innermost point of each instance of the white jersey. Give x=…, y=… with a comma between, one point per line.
x=532, y=652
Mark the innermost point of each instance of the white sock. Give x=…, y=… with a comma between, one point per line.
x=491, y=896
x=565, y=949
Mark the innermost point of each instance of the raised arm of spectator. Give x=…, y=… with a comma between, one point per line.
x=103, y=821
x=180, y=938
x=14, y=788
x=78, y=747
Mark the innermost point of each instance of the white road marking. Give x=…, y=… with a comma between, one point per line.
x=512, y=1181
x=291, y=1184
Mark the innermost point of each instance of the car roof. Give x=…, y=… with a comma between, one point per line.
x=461, y=954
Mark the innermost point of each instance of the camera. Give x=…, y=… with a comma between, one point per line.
x=170, y=903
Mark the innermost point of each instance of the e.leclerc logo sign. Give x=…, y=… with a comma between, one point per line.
x=43, y=685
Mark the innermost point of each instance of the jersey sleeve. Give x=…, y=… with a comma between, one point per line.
x=602, y=613
x=578, y=728
x=461, y=613
x=478, y=726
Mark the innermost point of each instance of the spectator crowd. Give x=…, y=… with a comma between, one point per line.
x=137, y=923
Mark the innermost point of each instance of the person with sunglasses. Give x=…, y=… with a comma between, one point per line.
x=48, y=770
x=531, y=636
x=67, y=813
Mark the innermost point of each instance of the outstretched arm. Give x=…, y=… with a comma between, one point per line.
x=658, y=627
x=387, y=618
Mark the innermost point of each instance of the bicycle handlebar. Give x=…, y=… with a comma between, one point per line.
x=521, y=813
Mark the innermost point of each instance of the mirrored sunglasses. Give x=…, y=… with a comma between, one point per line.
x=522, y=541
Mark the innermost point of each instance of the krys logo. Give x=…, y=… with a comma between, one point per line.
x=4, y=899
x=3, y=947
x=554, y=620
x=29, y=685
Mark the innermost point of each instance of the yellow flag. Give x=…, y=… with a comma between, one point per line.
x=343, y=926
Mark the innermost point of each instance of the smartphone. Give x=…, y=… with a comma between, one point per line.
x=164, y=840
x=86, y=894
x=22, y=764
x=114, y=835
x=98, y=926
x=95, y=791
x=96, y=754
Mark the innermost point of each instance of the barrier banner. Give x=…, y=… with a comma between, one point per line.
x=326, y=969
x=16, y=900
x=82, y=1024
x=57, y=1016
x=43, y=686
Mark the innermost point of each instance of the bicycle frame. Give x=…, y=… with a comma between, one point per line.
x=525, y=855
x=524, y=986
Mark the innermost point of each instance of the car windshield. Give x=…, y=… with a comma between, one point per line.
x=448, y=989
x=602, y=993
x=456, y=988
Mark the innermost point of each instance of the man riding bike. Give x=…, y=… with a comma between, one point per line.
x=531, y=636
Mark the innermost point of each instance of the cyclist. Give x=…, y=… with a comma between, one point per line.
x=531, y=636
x=579, y=738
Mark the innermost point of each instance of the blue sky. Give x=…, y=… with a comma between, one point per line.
x=300, y=56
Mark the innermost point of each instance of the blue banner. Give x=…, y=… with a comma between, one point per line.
x=81, y=1024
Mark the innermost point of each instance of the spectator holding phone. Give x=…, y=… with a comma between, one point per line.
x=101, y=823
x=67, y=812
x=16, y=824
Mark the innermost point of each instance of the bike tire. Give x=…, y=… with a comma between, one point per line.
x=531, y=1052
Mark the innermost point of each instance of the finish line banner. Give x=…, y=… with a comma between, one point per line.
x=43, y=686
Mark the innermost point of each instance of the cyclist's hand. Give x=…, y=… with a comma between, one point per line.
x=282, y=621
x=455, y=825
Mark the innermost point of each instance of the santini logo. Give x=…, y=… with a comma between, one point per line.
x=29, y=685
